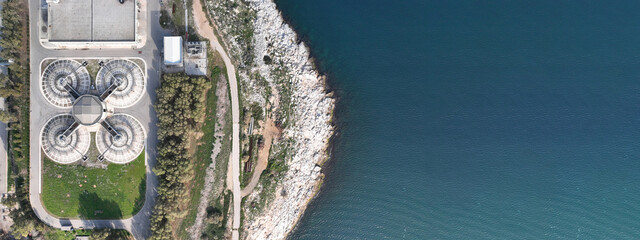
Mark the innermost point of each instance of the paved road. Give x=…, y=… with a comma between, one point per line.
x=41, y=111
x=205, y=30
x=4, y=144
x=4, y=160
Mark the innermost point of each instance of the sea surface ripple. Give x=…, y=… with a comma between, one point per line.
x=477, y=119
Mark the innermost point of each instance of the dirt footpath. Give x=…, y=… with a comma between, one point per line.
x=270, y=132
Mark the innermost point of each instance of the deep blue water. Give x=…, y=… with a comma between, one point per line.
x=478, y=119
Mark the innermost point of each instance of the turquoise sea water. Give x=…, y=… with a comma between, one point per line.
x=478, y=119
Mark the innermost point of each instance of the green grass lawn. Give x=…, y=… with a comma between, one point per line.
x=68, y=190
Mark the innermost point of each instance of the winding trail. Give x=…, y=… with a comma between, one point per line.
x=205, y=30
x=270, y=132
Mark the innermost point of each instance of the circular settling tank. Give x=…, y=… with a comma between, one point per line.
x=126, y=145
x=130, y=78
x=60, y=148
x=59, y=74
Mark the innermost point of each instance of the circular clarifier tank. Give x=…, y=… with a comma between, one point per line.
x=59, y=74
x=63, y=148
x=130, y=78
x=125, y=143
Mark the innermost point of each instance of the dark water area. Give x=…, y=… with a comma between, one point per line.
x=477, y=119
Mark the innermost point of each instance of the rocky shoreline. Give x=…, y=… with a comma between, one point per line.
x=276, y=71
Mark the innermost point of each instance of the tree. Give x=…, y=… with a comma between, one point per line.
x=7, y=117
x=180, y=110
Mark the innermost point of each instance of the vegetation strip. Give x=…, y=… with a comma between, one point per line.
x=15, y=89
x=180, y=109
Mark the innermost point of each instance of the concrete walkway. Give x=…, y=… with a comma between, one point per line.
x=204, y=29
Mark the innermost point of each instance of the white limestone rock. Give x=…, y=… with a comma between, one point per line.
x=309, y=128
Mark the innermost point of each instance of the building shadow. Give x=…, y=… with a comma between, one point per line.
x=91, y=206
x=139, y=202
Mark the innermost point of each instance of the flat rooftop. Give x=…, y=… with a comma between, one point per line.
x=92, y=21
x=88, y=109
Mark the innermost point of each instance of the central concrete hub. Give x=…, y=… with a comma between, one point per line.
x=88, y=110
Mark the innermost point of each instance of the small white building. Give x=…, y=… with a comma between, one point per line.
x=173, y=51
